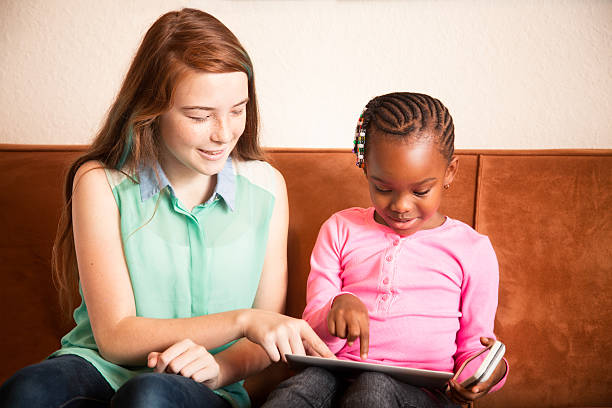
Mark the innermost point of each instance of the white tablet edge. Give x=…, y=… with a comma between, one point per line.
x=488, y=365
x=493, y=364
x=432, y=375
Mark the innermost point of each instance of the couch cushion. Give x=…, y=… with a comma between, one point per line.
x=550, y=221
x=31, y=188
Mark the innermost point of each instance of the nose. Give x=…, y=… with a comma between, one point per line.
x=402, y=203
x=222, y=133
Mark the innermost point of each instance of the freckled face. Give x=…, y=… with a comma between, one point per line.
x=406, y=181
x=204, y=124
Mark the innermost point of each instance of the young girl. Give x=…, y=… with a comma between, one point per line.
x=175, y=234
x=399, y=283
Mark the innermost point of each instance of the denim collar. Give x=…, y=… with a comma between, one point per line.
x=225, y=187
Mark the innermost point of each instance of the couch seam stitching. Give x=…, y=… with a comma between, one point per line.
x=479, y=171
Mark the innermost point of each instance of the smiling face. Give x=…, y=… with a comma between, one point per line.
x=406, y=180
x=204, y=124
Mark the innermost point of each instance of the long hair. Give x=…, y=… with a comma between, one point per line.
x=177, y=43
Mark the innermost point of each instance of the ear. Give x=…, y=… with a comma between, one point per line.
x=451, y=170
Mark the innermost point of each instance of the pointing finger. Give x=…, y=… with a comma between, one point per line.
x=364, y=341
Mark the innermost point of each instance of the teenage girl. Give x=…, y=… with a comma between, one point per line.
x=175, y=235
x=399, y=283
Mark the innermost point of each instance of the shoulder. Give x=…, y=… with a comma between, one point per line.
x=353, y=215
x=472, y=248
x=91, y=188
x=346, y=221
x=260, y=174
x=91, y=174
x=95, y=173
x=465, y=235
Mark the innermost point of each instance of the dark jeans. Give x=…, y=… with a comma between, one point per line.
x=72, y=382
x=316, y=387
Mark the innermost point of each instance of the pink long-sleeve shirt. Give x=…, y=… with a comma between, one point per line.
x=430, y=295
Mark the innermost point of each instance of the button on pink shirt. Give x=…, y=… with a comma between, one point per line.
x=430, y=295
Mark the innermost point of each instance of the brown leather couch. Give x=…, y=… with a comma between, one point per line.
x=547, y=213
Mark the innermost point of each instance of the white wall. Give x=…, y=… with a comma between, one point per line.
x=515, y=74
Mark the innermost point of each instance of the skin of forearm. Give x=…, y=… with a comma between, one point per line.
x=130, y=340
x=239, y=361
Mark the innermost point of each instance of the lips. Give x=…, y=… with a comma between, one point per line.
x=401, y=224
x=402, y=220
x=212, y=154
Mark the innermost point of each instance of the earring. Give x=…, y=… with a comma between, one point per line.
x=446, y=186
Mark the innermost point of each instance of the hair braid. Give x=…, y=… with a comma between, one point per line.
x=411, y=116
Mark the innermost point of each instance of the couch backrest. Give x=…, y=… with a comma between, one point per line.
x=547, y=214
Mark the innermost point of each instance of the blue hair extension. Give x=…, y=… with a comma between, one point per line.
x=127, y=149
x=248, y=70
x=246, y=65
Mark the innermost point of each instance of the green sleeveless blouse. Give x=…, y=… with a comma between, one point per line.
x=187, y=263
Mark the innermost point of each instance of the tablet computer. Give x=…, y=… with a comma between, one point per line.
x=351, y=369
x=495, y=353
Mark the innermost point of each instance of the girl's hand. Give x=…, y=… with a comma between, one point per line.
x=189, y=360
x=279, y=335
x=463, y=395
x=348, y=319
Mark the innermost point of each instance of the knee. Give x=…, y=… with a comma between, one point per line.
x=149, y=390
x=26, y=388
x=312, y=387
x=153, y=390
x=370, y=389
x=370, y=379
x=312, y=378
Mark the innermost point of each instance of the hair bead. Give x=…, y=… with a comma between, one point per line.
x=405, y=115
x=359, y=142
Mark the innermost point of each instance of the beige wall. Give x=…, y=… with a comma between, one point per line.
x=515, y=74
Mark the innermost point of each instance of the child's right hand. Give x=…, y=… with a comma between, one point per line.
x=348, y=319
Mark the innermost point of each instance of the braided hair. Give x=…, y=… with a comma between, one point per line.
x=406, y=115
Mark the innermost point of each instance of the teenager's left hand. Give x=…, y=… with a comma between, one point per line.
x=188, y=359
x=463, y=395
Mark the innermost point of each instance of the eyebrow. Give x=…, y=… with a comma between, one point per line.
x=206, y=108
x=427, y=180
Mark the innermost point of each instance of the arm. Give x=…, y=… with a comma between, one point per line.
x=478, y=307
x=121, y=336
x=324, y=283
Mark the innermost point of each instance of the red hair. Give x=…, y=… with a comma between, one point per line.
x=178, y=42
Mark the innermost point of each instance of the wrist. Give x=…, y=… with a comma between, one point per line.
x=338, y=295
x=501, y=372
x=222, y=373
